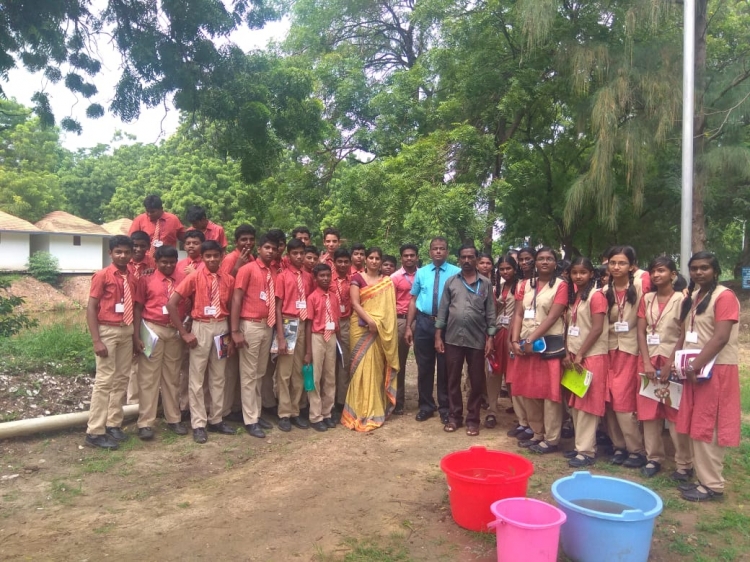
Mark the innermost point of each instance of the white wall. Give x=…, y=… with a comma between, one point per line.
x=15, y=249
x=85, y=258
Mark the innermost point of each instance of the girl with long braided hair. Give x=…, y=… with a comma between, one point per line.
x=623, y=295
x=710, y=409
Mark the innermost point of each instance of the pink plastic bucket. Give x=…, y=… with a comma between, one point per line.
x=526, y=529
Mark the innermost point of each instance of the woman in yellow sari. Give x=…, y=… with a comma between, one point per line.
x=374, y=341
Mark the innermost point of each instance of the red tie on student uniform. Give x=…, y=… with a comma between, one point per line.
x=157, y=236
x=170, y=287
x=137, y=270
x=301, y=293
x=127, y=301
x=270, y=300
x=215, y=295
x=328, y=333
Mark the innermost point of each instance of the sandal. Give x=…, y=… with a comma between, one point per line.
x=472, y=431
x=450, y=427
x=490, y=421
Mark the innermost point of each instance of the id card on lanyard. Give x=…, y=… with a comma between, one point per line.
x=691, y=336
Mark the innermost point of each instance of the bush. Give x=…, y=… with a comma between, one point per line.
x=44, y=267
x=11, y=321
x=55, y=349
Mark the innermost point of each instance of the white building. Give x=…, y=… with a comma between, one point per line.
x=15, y=242
x=77, y=244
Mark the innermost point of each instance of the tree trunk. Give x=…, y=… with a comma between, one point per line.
x=492, y=207
x=699, y=124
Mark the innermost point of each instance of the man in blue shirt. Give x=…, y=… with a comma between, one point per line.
x=423, y=307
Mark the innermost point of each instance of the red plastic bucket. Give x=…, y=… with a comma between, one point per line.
x=479, y=477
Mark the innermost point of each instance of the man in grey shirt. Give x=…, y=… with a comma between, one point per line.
x=467, y=315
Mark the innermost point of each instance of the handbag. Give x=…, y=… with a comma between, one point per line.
x=554, y=347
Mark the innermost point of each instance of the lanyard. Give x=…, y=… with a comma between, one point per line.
x=472, y=290
x=406, y=276
x=693, y=311
x=620, y=302
x=504, y=299
x=536, y=292
x=574, y=313
x=655, y=323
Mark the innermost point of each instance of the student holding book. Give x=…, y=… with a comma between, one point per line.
x=587, y=347
x=658, y=334
x=710, y=407
x=210, y=292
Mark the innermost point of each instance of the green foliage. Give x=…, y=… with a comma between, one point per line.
x=11, y=320
x=56, y=349
x=44, y=267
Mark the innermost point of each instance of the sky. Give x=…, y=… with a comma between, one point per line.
x=153, y=124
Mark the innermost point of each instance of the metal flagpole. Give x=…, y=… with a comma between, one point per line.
x=688, y=109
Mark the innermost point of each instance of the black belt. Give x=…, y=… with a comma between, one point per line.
x=401, y=316
x=431, y=317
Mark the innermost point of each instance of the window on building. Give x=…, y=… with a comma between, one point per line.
x=76, y=240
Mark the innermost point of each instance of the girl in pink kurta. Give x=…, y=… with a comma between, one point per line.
x=586, y=346
x=540, y=304
x=623, y=294
x=658, y=334
x=710, y=409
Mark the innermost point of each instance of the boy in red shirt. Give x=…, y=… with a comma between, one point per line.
x=331, y=241
x=340, y=286
x=302, y=233
x=197, y=218
x=164, y=229
x=109, y=315
x=292, y=288
x=162, y=368
x=312, y=257
x=358, y=257
x=321, y=331
x=193, y=261
x=244, y=242
x=211, y=293
x=253, y=318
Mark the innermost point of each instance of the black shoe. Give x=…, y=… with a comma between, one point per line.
x=145, y=433
x=567, y=432
x=424, y=415
x=299, y=423
x=272, y=411
x=117, y=434
x=444, y=418
x=651, y=469
x=264, y=424
x=544, y=448
x=398, y=411
x=221, y=427
x=490, y=421
x=255, y=430
x=177, y=428
x=602, y=438
x=101, y=441
x=234, y=417
x=184, y=415
x=319, y=426
x=570, y=454
x=678, y=476
x=635, y=460
x=698, y=494
x=527, y=443
x=619, y=457
x=330, y=424
x=685, y=486
x=516, y=431
x=200, y=435
x=580, y=461
x=285, y=424
x=304, y=413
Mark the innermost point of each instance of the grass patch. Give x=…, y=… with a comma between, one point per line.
x=101, y=461
x=62, y=492
x=371, y=549
x=56, y=349
x=745, y=389
x=104, y=529
x=183, y=505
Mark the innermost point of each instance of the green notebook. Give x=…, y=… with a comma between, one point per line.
x=577, y=383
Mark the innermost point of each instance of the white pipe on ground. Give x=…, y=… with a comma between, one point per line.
x=20, y=428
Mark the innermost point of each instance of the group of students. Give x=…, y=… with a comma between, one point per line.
x=619, y=322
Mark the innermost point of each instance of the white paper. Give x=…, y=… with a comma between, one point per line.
x=149, y=339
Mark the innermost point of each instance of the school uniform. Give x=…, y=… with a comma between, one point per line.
x=211, y=294
x=505, y=305
x=323, y=316
x=292, y=289
x=197, y=264
x=230, y=260
x=587, y=411
x=162, y=369
x=623, y=381
x=137, y=269
x=115, y=290
x=662, y=333
x=710, y=409
x=402, y=283
x=340, y=286
x=215, y=232
x=257, y=321
x=537, y=380
x=167, y=230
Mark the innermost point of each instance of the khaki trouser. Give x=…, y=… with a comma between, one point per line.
x=132, y=395
x=653, y=431
x=585, y=425
x=289, y=384
x=624, y=431
x=253, y=363
x=232, y=402
x=202, y=356
x=184, y=379
x=111, y=382
x=324, y=374
x=708, y=460
x=162, y=369
x=545, y=418
x=519, y=407
x=343, y=374
x=268, y=383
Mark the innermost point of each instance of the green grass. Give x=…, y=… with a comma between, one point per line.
x=56, y=349
x=745, y=389
x=63, y=492
x=104, y=529
x=371, y=549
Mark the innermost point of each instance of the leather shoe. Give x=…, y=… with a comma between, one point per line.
x=678, y=476
x=221, y=427
x=177, y=428
x=516, y=431
x=423, y=415
x=444, y=418
x=145, y=433
x=635, y=460
x=619, y=457
x=101, y=441
x=117, y=434
x=299, y=423
x=570, y=454
x=319, y=426
x=199, y=435
x=651, y=469
x=285, y=424
x=543, y=448
x=330, y=424
x=701, y=494
x=255, y=430
x=526, y=443
x=580, y=461
x=264, y=424
x=398, y=411
x=234, y=417
x=490, y=421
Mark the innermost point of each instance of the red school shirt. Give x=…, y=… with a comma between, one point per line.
x=138, y=267
x=215, y=232
x=340, y=286
x=288, y=291
x=230, y=260
x=316, y=310
x=198, y=288
x=252, y=279
x=170, y=228
x=152, y=292
x=107, y=286
x=196, y=263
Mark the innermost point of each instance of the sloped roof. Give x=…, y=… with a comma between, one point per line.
x=60, y=222
x=120, y=226
x=9, y=222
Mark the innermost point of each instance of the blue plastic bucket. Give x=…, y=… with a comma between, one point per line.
x=607, y=518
